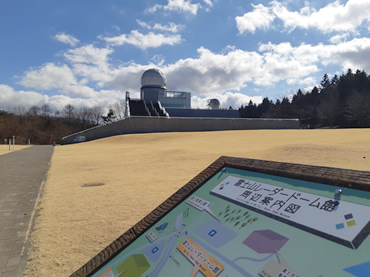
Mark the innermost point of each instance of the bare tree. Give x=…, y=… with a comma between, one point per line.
x=83, y=115
x=45, y=110
x=69, y=112
x=19, y=110
x=34, y=111
x=118, y=109
x=96, y=114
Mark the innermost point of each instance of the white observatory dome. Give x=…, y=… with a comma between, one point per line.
x=153, y=78
x=213, y=104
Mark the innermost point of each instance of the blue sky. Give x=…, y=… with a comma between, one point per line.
x=90, y=52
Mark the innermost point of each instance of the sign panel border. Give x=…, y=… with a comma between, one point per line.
x=338, y=177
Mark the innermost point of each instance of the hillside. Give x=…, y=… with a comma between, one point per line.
x=138, y=172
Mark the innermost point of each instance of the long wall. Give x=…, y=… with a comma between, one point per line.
x=203, y=113
x=134, y=125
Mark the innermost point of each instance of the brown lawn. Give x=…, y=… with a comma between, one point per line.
x=140, y=171
x=4, y=148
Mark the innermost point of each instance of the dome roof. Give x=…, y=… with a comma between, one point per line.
x=214, y=104
x=153, y=78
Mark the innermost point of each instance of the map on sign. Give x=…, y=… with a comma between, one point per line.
x=242, y=223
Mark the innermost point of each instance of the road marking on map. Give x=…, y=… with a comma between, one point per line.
x=201, y=204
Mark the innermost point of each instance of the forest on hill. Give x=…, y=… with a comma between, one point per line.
x=41, y=125
x=339, y=102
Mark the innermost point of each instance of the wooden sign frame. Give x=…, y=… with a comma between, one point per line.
x=344, y=178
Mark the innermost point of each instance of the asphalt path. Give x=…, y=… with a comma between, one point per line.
x=22, y=177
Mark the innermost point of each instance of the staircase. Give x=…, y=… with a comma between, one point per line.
x=140, y=108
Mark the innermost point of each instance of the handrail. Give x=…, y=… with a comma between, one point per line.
x=128, y=112
x=146, y=109
x=155, y=109
x=163, y=109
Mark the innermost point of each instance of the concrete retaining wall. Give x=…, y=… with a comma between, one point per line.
x=134, y=125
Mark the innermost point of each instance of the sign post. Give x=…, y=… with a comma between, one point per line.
x=244, y=217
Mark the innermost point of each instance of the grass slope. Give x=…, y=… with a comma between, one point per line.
x=4, y=148
x=140, y=171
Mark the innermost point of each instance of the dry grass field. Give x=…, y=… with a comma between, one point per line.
x=140, y=171
x=4, y=148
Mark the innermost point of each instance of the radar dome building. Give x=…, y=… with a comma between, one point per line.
x=153, y=89
x=213, y=104
x=156, y=100
x=153, y=78
x=162, y=110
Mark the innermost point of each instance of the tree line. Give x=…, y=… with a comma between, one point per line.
x=339, y=102
x=42, y=125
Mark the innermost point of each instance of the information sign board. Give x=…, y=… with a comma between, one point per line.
x=243, y=217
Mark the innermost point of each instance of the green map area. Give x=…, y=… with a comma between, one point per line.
x=242, y=223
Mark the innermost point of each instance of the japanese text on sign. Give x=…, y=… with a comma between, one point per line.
x=340, y=219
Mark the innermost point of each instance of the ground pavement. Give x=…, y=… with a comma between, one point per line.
x=22, y=175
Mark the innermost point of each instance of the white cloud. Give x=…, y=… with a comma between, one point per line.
x=67, y=39
x=128, y=77
x=10, y=98
x=64, y=80
x=284, y=62
x=86, y=92
x=143, y=41
x=305, y=81
x=88, y=54
x=143, y=24
x=79, y=91
x=335, y=17
x=48, y=76
x=222, y=75
x=213, y=73
x=153, y=9
x=208, y=2
x=208, y=6
x=339, y=38
x=58, y=102
x=94, y=73
x=349, y=54
x=158, y=60
x=171, y=27
x=260, y=18
x=184, y=6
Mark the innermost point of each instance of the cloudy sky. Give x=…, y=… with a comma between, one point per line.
x=89, y=52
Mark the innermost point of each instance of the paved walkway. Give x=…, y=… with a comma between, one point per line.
x=22, y=174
